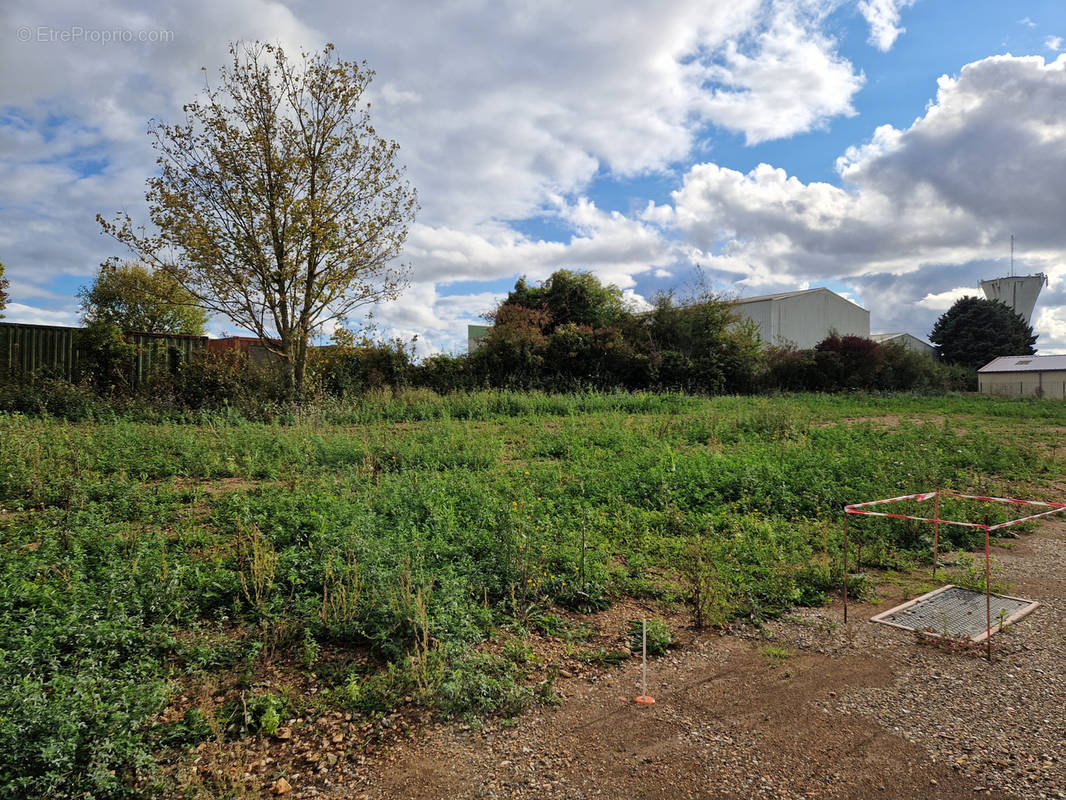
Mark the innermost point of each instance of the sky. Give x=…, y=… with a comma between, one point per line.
x=886, y=149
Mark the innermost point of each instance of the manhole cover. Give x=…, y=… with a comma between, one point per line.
x=955, y=612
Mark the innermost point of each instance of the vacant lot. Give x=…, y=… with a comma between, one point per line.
x=208, y=607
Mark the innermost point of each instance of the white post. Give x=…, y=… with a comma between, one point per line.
x=644, y=657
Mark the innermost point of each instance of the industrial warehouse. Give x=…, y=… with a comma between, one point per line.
x=1018, y=376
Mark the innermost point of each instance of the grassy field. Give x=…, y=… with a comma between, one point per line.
x=376, y=546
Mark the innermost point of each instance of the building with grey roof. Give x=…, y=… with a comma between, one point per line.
x=803, y=318
x=1019, y=376
x=907, y=341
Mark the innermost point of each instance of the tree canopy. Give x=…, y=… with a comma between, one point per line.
x=975, y=330
x=277, y=204
x=134, y=298
x=570, y=297
x=571, y=331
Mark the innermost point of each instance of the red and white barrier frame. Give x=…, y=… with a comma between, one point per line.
x=863, y=510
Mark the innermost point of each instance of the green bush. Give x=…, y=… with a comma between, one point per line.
x=41, y=394
x=343, y=369
x=659, y=637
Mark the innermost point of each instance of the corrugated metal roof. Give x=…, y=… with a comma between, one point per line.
x=797, y=293
x=778, y=296
x=887, y=337
x=1025, y=364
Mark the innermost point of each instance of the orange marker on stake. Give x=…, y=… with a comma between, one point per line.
x=643, y=698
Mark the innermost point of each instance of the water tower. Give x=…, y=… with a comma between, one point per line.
x=1017, y=291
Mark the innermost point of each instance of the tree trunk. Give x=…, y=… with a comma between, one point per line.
x=299, y=368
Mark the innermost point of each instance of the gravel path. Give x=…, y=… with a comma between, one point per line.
x=1002, y=724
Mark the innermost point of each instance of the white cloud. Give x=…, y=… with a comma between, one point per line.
x=791, y=82
x=942, y=301
x=499, y=111
x=75, y=114
x=609, y=244
x=436, y=323
x=1053, y=43
x=1051, y=323
x=30, y=315
x=505, y=113
x=919, y=208
x=635, y=301
x=883, y=18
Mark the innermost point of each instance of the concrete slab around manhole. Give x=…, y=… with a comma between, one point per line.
x=955, y=612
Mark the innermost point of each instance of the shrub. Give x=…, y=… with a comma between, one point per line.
x=848, y=362
x=343, y=369
x=790, y=370
x=41, y=394
x=659, y=636
x=106, y=360
x=444, y=373
x=214, y=380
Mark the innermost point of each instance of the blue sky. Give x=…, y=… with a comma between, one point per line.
x=884, y=148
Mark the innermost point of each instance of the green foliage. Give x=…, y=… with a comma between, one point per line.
x=776, y=655
x=383, y=556
x=479, y=684
x=570, y=298
x=352, y=368
x=221, y=380
x=453, y=682
x=659, y=636
x=970, y=574
x=702, y=346
x=106, y=360
x=572, y=332
x=515, y=349
x=42, y=395
x=81, y=632
x=248, y=714
x=848, y=363
x=444, y=373
x=191, y=729
x=133, y=297
x=601, y=655
x=974, y=331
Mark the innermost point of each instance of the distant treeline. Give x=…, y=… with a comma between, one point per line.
x=572, y=333
x=569, y=334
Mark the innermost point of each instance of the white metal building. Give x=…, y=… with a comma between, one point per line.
x=804, y=318
x=1017, y=376
x=908, y=341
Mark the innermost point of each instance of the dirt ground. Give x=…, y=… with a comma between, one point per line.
x=802, y=707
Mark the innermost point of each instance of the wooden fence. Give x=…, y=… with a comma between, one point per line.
x=29, y=349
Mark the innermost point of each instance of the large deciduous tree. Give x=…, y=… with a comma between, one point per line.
x=974, y=331
x=134, y=298
x=277, y=204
